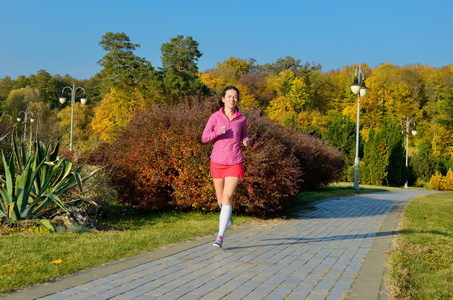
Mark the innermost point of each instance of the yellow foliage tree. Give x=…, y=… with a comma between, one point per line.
x=115, y=111
x=82, y=134
x=239, y=65
x=442, y=142
x=281, y=84
x=312, y=118
x=229, y=72
x=299, y=94
x=247, y=101
x=280, y=109
x=290, y=105
x=209, y=79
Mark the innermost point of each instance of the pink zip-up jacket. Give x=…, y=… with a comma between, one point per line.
x=227, y=148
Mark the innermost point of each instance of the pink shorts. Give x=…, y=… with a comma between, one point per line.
x=222, y=171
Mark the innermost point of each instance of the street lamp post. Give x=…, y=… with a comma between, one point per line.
x=37, y=124
x=25, y=113
x=83, y=100
x=5, y=115
x=407, y=132
x=358, y=88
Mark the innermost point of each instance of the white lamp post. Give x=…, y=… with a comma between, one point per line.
x=83, y=100
x=358, y=88
x=407, y=132
x=25, y=113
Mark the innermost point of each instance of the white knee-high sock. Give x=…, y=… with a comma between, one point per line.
x=225, y=214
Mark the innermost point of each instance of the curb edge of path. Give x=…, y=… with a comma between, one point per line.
x=369, y=283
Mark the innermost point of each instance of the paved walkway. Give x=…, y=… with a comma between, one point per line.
x=333, y=250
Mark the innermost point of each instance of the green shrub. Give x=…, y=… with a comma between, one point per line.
x=425, y=163
x=320, y=164
x=383, y=162
x=342, y=135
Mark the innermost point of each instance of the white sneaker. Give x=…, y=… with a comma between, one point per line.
x=218, y=242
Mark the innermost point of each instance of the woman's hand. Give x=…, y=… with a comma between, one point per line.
x=223, y=128
x=246, y=142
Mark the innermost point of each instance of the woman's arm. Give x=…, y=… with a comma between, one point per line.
x=244, y=135
x=210, y=132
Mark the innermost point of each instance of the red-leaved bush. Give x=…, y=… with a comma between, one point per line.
x=161, y=162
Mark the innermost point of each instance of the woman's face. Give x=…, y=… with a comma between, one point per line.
x=230, y=99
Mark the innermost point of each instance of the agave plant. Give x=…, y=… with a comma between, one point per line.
x=34, y=181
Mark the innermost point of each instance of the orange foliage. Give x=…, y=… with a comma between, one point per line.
x=162, y=164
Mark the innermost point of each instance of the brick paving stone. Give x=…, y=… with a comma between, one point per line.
x=301, y=292
x=144, y=297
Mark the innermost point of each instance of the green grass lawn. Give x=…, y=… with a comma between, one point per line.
x=422, y=263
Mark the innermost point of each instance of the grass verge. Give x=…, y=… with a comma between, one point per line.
x=421, y=265
x=337, y=190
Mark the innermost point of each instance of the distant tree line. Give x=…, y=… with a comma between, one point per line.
x=289, y=92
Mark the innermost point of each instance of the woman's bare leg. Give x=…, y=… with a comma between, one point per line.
x=218, y=185
x=225, y=188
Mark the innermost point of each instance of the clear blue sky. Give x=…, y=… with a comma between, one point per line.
x=62, y=36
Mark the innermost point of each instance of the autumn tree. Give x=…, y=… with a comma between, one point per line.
x=292, y=107
x=292, y=64
x=255, y=84
x=439, y=110
x=115, y=111
x=6, y=85
x=298, y=94
x=28, y=100
x=318, y=92
x=19, y=99
x=230, y=71
x=281, y=108
x=336, y=91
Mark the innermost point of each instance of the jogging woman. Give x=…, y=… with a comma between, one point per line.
x=227, y=128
